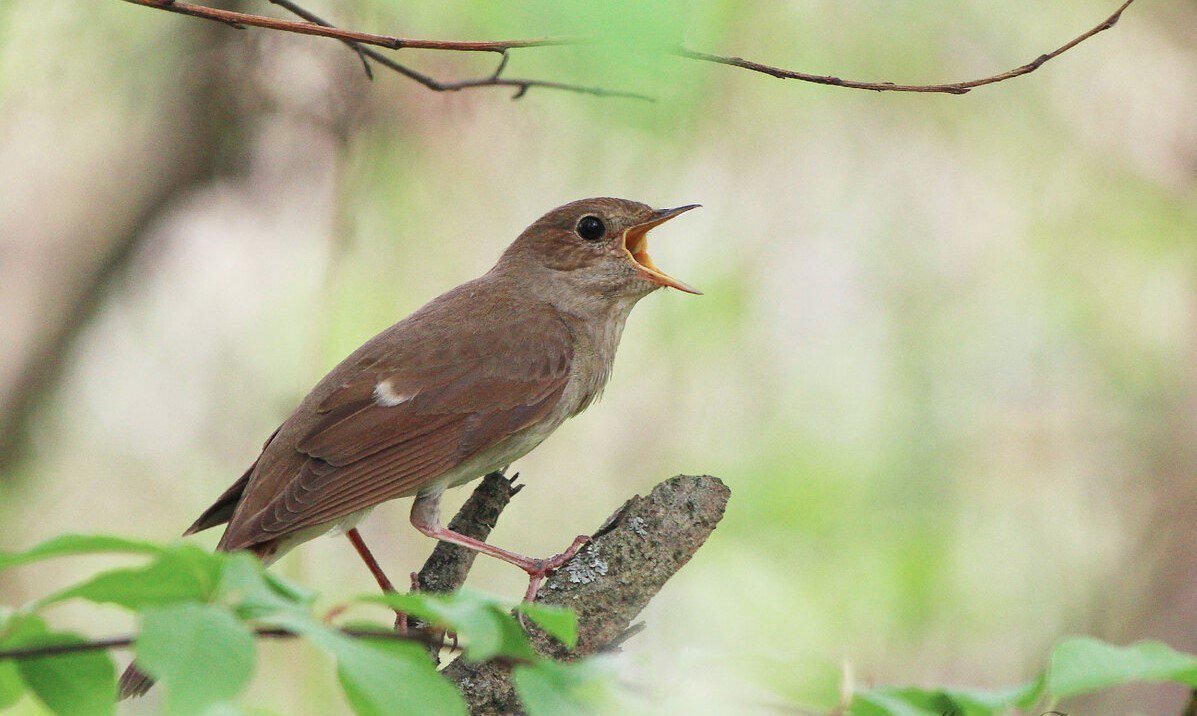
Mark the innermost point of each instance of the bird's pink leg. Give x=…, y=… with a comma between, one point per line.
x=425, y=517
x=359, y=544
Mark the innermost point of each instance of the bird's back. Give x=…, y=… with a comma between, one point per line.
x=410, y=405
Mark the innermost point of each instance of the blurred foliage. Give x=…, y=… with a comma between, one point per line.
x=1078, y=666
x=197, y=611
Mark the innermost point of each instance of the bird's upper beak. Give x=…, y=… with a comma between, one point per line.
x=635, y=244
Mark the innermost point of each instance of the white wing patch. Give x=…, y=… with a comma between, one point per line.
x=385, y=395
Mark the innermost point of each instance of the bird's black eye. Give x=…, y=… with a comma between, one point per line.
x=591, y=228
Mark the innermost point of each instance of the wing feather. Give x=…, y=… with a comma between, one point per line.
x=463, y=392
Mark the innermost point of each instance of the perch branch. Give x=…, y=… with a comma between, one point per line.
x=949, y=88
x=610, y=581
x=449, y=564
x=447, y=567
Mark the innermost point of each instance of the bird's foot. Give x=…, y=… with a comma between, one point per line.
x=425, y=518
x=538, y=569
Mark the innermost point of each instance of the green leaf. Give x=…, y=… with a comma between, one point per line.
x=1077, y=666
x=888, y=701
x=180, y=574
x=285, y=587
x=900, y=701
x=81, y=683
x=388, y=677
x=12, y=687
x=1022, y=696
x=559, y=622
x=254, y=592
x=383, y=676
x=480, y=620
x=66, y=545
x=1084, y=664
x=552, y=688
x=200, y=652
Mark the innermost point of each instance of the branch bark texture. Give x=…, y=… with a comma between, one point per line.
x=607, y=584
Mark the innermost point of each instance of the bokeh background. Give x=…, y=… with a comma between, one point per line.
x=946, y=359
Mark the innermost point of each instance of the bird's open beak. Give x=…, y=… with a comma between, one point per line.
x=635, y=244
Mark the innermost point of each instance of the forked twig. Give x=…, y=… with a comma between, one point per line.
x=359, y=41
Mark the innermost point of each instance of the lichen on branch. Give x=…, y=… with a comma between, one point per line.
x=639, y=548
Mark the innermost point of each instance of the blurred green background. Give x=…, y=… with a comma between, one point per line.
x=946, y=359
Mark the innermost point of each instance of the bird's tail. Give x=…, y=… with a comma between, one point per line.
x=134, y=682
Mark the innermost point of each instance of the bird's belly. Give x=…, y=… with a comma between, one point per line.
x=577, y=396
x=494, y=458
x=339, y=526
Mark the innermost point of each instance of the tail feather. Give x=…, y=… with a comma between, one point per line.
x=222, y=510
x=134, y=683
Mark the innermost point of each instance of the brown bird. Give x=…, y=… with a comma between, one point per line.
x=464, y=386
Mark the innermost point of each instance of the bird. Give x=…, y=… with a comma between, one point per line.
x=467, y=384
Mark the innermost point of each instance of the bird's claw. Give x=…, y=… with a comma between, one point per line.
x=541, y=568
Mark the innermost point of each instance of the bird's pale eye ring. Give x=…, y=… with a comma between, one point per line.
x=591, y=228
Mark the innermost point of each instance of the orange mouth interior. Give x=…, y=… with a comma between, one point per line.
x=635, y=245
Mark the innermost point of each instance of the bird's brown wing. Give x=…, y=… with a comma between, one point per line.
x=462, y=392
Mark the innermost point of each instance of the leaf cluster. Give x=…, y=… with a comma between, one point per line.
x=1077, y=666
x=201, y=615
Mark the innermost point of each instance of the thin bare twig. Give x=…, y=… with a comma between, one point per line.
x=313, y=17
x=326, y=30
x=357, y=41
x=949, y=88
x=492, y=80
x=124, y=642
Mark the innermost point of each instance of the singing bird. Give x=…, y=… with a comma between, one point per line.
x=467, y=384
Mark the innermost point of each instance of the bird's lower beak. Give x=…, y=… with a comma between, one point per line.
x=635, y=244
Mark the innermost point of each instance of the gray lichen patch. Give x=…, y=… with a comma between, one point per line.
x=642, y=545
x=586, y=567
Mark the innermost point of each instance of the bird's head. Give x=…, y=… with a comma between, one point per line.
x=596, y=248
